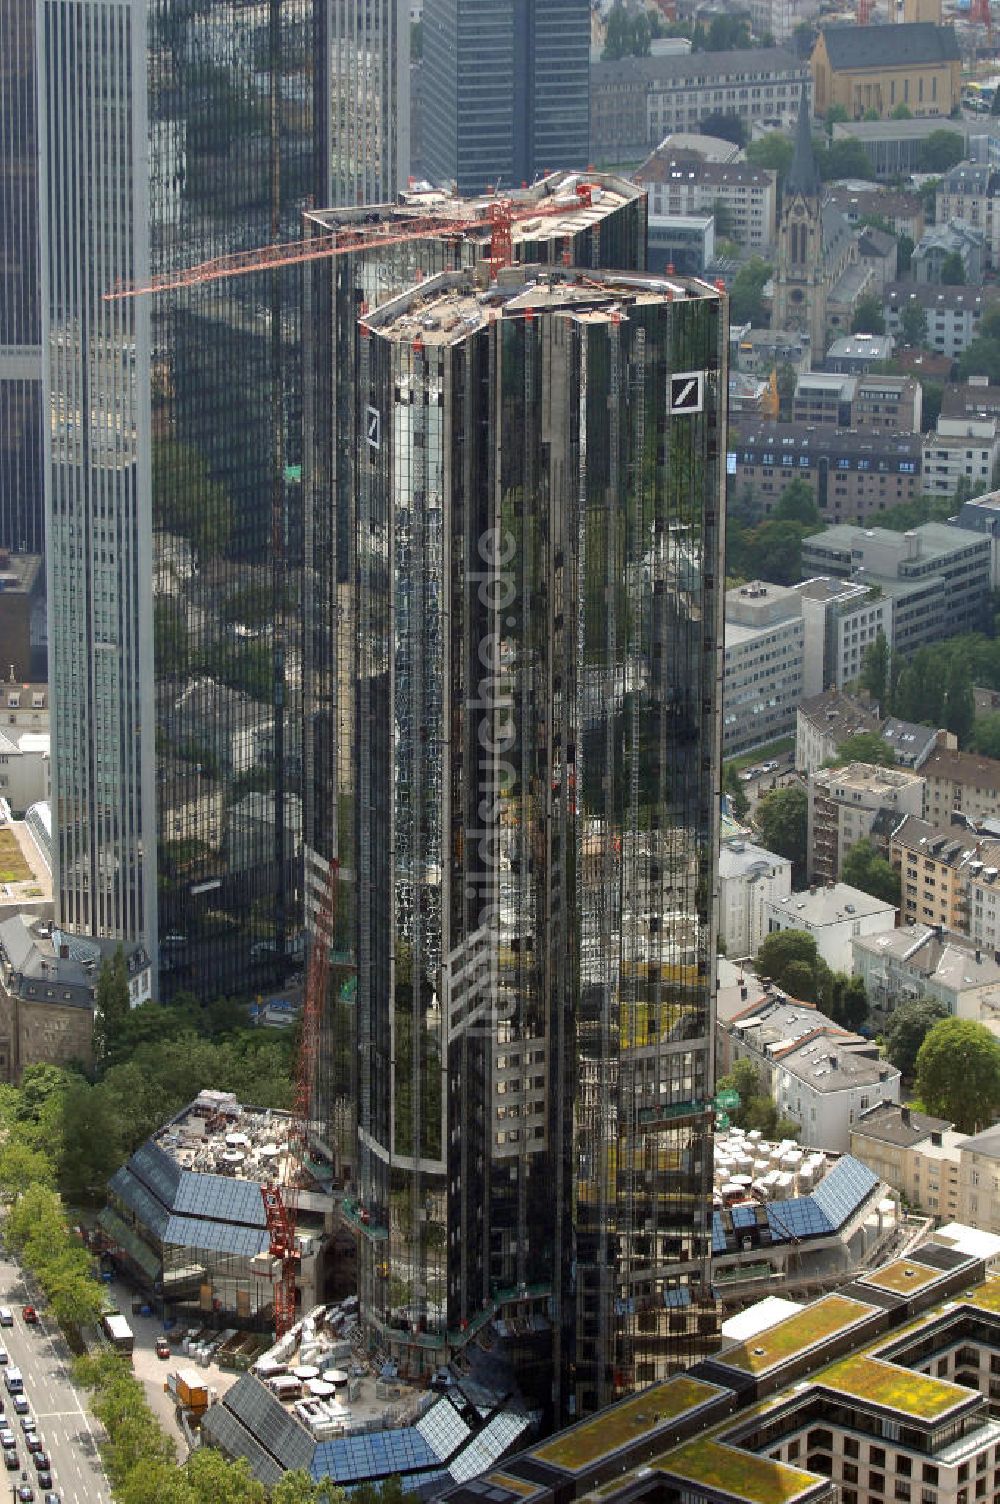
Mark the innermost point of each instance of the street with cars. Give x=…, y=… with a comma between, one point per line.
x=47, y=1439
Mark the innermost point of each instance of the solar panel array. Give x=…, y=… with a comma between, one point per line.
x=377, y=1454
x=843, y=1190
x=220, y=1197
x=443, y=1429
x=800, y=1218
x=216, y=1237
x=263, y=1414
x=488, y=1447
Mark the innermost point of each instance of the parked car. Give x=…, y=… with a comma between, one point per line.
x=34, y=1442
x=6, y=1316
x=162, y=1347
x=30, y=1315
x=7, y=1437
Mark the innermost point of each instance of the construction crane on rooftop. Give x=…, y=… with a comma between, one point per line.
x=499, y=218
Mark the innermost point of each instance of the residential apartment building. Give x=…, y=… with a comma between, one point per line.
x=824, y=1084
x=953, y=313
x=843, y=805
x=866, y=69
x=851, y=474
x=764, y=637
x=887, y=404
x=881, y=1388
x=902, y=212
x=974, y=398
x=961, y=450
x=855, y=354
x=505, y=91
x=749, y=878
x=961, y=783
x=979, y=1180
x=635, y=102
x=833, y=915
x=746, y=194
x=842, y=620
x=971, y=192
x=911, y=743
x=933, y=868
x=917, y=1154
x=937, y=576
x=928, y=961
x=481, y=975
x=824, y=722
x=942, y=241
x=982, y=912
x=824, y=398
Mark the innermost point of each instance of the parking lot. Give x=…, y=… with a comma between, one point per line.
x=62, y=1422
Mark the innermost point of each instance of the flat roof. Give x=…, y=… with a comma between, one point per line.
x=737, y=1474
x=809, y=1327
x=583, y=1444
x=892, y=1387
x=903, y=1276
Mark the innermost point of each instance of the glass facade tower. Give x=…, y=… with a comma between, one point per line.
x=171, y=134
x=21, y=490
x=536, y=583
x=506, y=90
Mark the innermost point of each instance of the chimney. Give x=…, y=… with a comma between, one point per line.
x=937, y=1137
x=904, y=1113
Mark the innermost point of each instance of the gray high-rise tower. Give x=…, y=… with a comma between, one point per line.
x=169, y=134
x=506, y=90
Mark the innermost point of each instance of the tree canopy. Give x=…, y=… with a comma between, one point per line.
x=865, y=746
x=756, y=1109
x=863, y=867
x=874, y=678
x=941, y=151
x=958, y=1073
x=953, y=270
x=746, y=297
x=112, y=1004
x=782, y=818
x=868, y=316
x=908, y=1024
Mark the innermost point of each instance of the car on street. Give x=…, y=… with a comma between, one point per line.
x=7, y=1437
x=25, y=1494
x=30, y=1315
x=44, y=1480
x=42, y=1462
x=6, y=1316
x=10, y=1461
x=52, y=1498
x=20, y=1404
x=33, y=1442
x=162, y=1347
x=4, y=1356
x=28, y=1423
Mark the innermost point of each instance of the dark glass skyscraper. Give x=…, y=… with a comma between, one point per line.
x=506, y=90
x=536, y=583
x=170, y=134
x=21, y=490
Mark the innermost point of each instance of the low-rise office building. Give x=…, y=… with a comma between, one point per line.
x=750, y=878
x=960, y=783
x=895, y=147
x=982, y=515
x=928, y=961
x=833, y=914
x=825, y=398
x=843, y=804
x=961, y=450
x=933, y=867
x=953, y=314
x=851, y=474
x=887, y=404
x=842, y=620
x=763, y=662
x=746, y=193
x=917, y=1154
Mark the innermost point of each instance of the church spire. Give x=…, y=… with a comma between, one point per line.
x=803, y=175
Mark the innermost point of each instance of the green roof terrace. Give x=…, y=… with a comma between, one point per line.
x=796, y=1334
x=903, y=1277
x=738, y=1474
x=616, y=1427
x=986, y=1295
x=892, y=1387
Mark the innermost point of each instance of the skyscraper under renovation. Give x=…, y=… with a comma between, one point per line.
x=535, y=580
x=170, y=134
x=506, y=90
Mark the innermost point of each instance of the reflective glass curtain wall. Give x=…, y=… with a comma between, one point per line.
x=538, y=602
x=21, y=490
x=175, y=473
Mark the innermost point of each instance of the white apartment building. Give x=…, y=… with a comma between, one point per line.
x=25, y=770
x=824, y=722
x=842, y=619
x=750, y=878
x=982, y=895
x=924, y=961
x=915, y=1153
x=961, y=449
x=953, y=313
x=843, y=805
x=834, y=915
x=971, y=192
x=825, y=1084
x=747, y=194
x=764, y=648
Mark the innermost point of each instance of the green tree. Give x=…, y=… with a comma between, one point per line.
x=22, y=1166
x=959, y=703
x=908, y=1024
x=875, y=672
x=774, y=151
x=863, y=867
x=844, y=159
x=737, y=794
x=835, y=114
x=787, y=381
x=941, y=151
x=865, y=746
x=981, y=357
x=91, y=1143
x=797, y=504
x=746, y=300
x=913, y=324
x=727, y=125
x=845, y=1000
x=215, y=1480
x=791, y=960
x=618, y=36
x=985, y=737
x=868, y=317
x=933, y=396
x=904, y=255
x=953, y=270
x=111, y=1004
x=901, y=112
x=958, y=1073
x=781, y=818
x=187, y=500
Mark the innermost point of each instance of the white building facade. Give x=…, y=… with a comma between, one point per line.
x=750, y=880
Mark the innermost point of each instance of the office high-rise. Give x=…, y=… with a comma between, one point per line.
x=536, y=584
x=506, y=90
x=21, y=505
x=170, y=134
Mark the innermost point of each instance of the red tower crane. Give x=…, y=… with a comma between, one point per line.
x=979, y=11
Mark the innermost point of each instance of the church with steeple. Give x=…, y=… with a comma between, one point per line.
x=818, y=275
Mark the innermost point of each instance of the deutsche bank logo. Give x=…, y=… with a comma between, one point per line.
x=687, y=392
x=373, y=427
